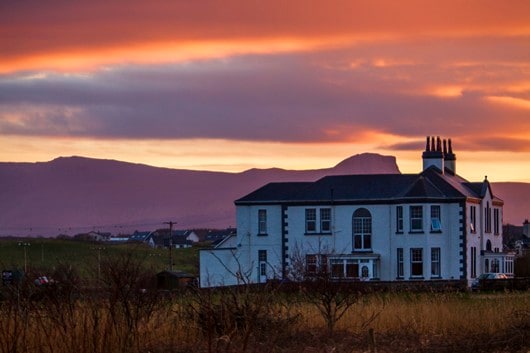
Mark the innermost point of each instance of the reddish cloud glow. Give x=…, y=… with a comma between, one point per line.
x=376, y=76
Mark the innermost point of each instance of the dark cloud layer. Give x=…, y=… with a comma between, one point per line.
x=289, y=98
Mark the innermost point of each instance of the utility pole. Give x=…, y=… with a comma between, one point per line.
x=171, y=223
x=98, y=249
x=25, y=246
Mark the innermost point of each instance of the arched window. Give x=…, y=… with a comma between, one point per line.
x=488, y=245
x=362, y=230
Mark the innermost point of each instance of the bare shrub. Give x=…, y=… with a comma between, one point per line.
x=130, y=298
x=232, y=318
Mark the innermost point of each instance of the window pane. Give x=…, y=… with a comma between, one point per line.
x=416, y=218
x=310, y=219
x=311, y=263
x=358, y=241
x=262, y=221
x=352, y=270
x=400, y=267
x=325, y=220
x=416, y=262
x=399, y=218
x=262, y=255
x=263, y=269
x=367, y=238
x=337, y=269
x=435, y=262
x=362, y=229
x=417, y=269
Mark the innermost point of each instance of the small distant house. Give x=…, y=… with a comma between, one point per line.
x=93, y=236
x=179, y=238
x=145, y=237
x=169, y=280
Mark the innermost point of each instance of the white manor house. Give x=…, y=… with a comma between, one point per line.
x=434, y=225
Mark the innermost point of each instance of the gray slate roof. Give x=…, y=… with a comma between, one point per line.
x=430, y=184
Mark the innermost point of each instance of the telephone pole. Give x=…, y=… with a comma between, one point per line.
x=171, y=223
x=25, y=246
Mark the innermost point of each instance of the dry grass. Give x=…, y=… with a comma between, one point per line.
x=120, y=317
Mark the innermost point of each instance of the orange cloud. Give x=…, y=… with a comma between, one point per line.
x=512, y=102
x=161, y=53
x=91, y=33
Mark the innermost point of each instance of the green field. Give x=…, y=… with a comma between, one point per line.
x=45, y=254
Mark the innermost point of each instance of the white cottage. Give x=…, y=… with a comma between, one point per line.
x=390, y=227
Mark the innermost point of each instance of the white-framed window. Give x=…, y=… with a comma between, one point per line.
x=473, y=262
x=316, y=263
x=508, y=264
x=262, y=255
x=416, y=262
x=347, y=268
x=400, y=263
x=436, y=218
x=416, y=219
x=435, y=263
x=496, y=224
x=262, y=222
x=337, y=268
x=262, y=258
x=325, y=220
x=362, y=230
x=310, y=220
x=473, y=219
x=487, y=218
x=399, y=219
x=311, y=264
x=495, y=268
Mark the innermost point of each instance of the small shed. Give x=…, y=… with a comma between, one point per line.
x=169, y=280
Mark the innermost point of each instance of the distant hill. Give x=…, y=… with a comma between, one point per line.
x=516, y=198
x=70, y=195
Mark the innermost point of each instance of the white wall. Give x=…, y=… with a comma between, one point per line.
x=244, y=255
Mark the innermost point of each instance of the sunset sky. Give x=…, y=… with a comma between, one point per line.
x=236, y=84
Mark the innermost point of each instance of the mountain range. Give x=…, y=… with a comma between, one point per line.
x=70, y=195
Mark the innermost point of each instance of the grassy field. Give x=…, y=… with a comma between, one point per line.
x=45, y=254
x=117, y=314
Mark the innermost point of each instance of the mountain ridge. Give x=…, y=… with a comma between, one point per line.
x=75, y=194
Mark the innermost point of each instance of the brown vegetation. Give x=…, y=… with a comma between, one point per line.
x=122, y=313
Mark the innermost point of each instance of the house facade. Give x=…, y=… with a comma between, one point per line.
x=432, y=225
